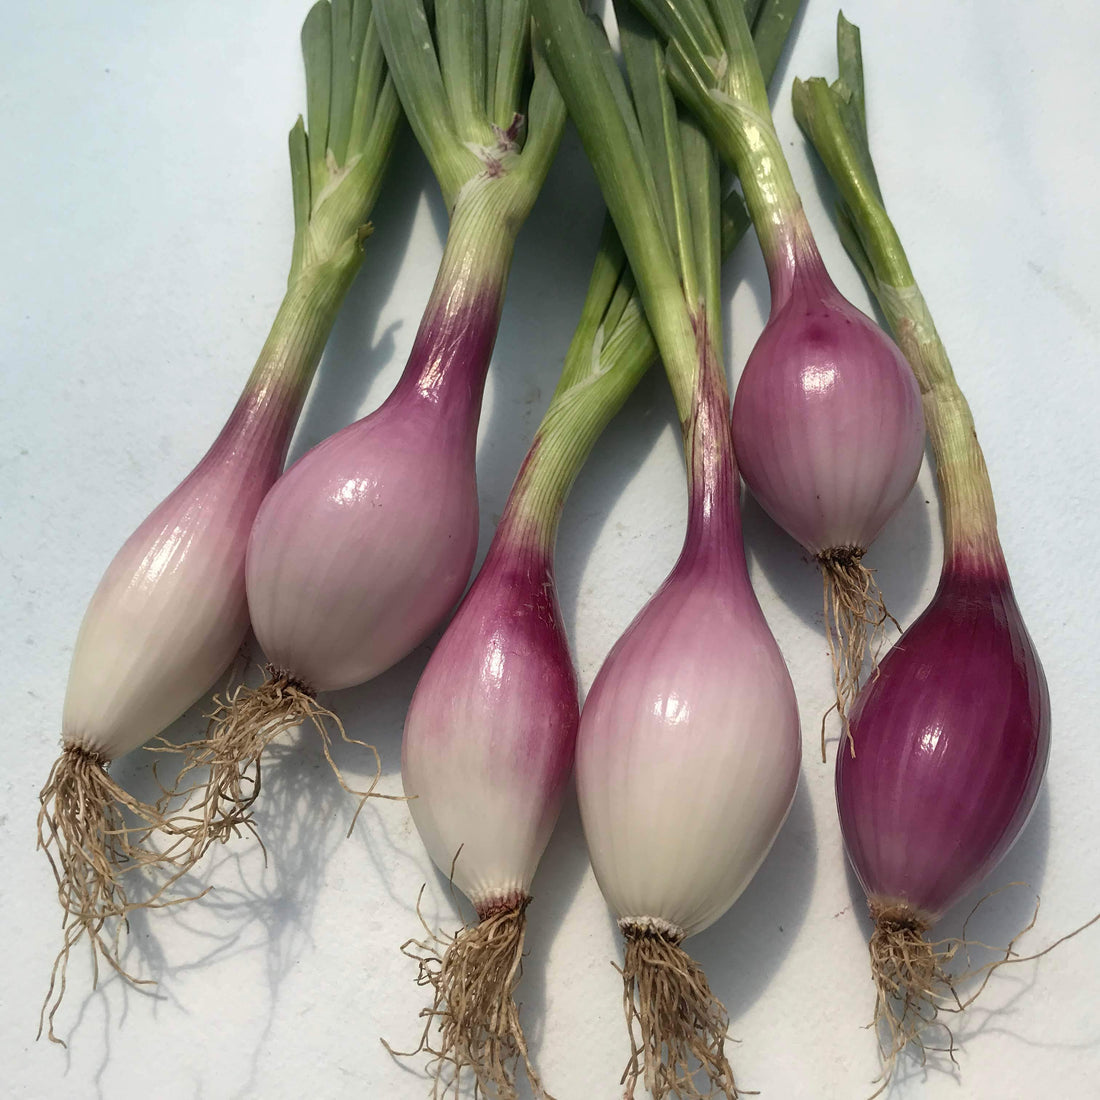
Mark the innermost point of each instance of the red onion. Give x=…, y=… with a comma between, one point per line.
x=827, y=420
x=953, y=733
x=687, y=761
x=367, y=541
x=486, y=755
x=688, y=748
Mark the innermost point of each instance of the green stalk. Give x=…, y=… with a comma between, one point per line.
x=350, y=101
x=613, y=344
x=612, y=348
x=462, y=93
x=714, y=68
x=834, y=119
x=625, y=135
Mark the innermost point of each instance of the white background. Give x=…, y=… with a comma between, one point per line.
x=145, y=203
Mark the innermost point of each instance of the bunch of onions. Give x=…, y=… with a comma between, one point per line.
x=170, y=612
x=366, y=543
x=954, y=732
x=827, y=419
x=688, y=747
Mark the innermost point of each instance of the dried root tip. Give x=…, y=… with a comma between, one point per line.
x=474, y=1009
x=242, y=725
x=93, y=832
x=912, y=984
x=855, y=622
x=683, y=1025
x=910, y=978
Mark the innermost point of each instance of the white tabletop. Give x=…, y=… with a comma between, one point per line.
x=145, y=204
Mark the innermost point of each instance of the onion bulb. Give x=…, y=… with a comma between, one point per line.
x=953, y=733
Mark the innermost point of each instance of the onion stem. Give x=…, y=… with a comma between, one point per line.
x=834, y=119
x=669, y=232
x=464, y=126
x=713, y=67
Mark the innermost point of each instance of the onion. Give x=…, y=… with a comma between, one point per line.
x=486, y=755
x=688, y=748
x=687, y=761
x=954, y=732
x=170, y=612
x=827, y=419
x=957, y=727
x=366, y=543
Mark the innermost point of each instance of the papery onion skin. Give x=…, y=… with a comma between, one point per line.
x=689, y=744
x=953, y=736
x=827, y=422
x=170, y=612
x=490, y=732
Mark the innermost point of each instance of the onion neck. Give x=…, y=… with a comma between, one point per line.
x=966, y=494
x=750, y=143
x=730, y=97
x=601, y=370
x=263, y=420
x=450, y=357
x=714, y=512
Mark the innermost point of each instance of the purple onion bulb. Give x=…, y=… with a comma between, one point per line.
x=953, y=737
x=489, y=736
x=827, y=423
x=365, y=544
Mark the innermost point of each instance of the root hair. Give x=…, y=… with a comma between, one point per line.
x=473, y=977
x=243, y=723
x=855, y=626
x=682, y=1024
x=85, y=829
x=914, y=984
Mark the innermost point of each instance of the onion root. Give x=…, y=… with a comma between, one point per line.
x=242, y=725
x=84, y=828
x=912, y=983
x=474, y=1007
x=681, y=1021
x=855, y=624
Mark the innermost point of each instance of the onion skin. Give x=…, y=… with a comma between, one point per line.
x=489, y=736
x=689, y=744
x=367, y=541
x=952, y=742
x=827, y=422
x=170, y=612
